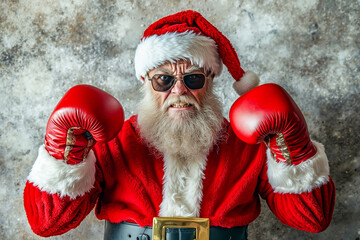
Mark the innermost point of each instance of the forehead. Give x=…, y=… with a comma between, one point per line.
x=180, y=65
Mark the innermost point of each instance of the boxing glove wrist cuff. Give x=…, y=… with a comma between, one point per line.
x=304, y=177
x=54, y=176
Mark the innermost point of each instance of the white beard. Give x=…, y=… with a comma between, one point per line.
x=184, y=143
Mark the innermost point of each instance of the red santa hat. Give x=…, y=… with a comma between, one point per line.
x=188, y=35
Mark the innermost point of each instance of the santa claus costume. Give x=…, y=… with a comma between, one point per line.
x=129, y=180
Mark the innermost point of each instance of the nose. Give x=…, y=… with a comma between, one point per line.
x=179, y=87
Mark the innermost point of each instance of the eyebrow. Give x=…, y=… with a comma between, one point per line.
x=189, y=70
x=163, y=70
x=193, y=69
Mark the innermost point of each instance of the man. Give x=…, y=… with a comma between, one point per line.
x=179, y=158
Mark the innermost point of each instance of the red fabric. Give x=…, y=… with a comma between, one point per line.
x=129, y=188
x=310, y=211
x=194, y=22
x=50, y=215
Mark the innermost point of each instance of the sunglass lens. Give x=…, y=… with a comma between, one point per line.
x=162, y=82
x=194, y=81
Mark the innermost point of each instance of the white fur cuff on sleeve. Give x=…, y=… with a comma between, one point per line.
x=304, y=177
x=55, y=176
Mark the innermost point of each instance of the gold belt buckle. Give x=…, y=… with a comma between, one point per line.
x=202, y=226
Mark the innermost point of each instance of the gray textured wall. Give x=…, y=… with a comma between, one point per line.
x=310, y=47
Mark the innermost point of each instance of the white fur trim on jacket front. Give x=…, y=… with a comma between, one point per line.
x=304, y=177
x=156, y=50
x=55, y=176
x=182, y=186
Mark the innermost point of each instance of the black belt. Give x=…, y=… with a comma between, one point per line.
x=131, y=231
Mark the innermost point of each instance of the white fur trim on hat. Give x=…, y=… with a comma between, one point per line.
x=55, y=176
x=156, y=50
x=304, y=177
x=249, y=81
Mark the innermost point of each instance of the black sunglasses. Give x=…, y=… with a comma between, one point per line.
x=163, y=82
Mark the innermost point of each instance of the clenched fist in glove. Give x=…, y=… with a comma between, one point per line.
x=83, y=116
x=269, y=113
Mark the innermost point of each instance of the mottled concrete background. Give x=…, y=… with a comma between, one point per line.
x=310, y=47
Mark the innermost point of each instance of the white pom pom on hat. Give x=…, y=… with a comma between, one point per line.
x=188, y=35
x=249, y=81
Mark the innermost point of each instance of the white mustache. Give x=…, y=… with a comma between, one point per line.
x=180, y=98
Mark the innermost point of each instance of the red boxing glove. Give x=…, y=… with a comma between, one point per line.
x=83, y=116
x=268, y=112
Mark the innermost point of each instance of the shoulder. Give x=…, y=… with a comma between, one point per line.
x=128, y=134
x=130, y=126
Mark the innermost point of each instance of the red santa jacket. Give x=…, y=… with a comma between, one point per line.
x=126, y=180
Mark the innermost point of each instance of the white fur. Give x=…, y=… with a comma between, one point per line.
x=304, y=177
x=249, y=81
x=156, y=50
x=182, y=189
x=55, y=176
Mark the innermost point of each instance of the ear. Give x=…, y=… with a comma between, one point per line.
x=142, y=78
